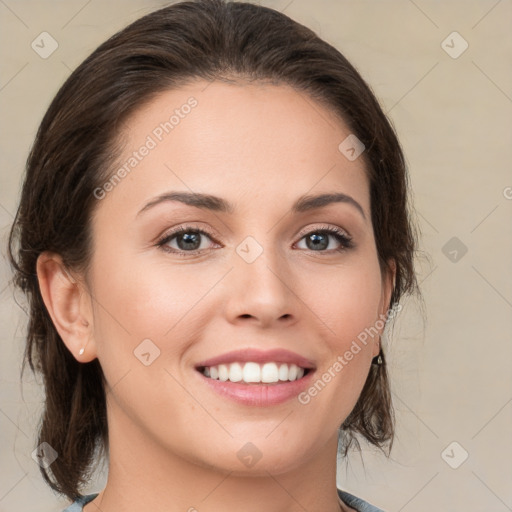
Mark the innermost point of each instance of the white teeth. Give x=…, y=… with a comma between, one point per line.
x=235, y=372
x=283, y=372
x=292, y=372
x=223, y=372
x=269, y=372
x=250, y=372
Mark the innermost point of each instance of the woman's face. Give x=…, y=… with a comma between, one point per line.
x=266, y=276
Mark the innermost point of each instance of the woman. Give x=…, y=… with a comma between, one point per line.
x=213, y=232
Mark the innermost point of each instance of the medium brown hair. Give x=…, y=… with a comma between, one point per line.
x=74, y=152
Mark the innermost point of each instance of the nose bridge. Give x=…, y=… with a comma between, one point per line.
x=260, y=284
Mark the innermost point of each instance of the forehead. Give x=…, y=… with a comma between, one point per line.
x=256, y=141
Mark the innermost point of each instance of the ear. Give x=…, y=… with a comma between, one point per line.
x=388, y=285
x=68, y=304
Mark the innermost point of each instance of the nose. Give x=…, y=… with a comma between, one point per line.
x=261, y=292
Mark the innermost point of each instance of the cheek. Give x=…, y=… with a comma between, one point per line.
x=346, y=303
x=146, y=299
x=135, y=302
x=346, y=300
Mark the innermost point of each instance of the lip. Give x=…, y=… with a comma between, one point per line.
x=258, y=356
x=258, y=395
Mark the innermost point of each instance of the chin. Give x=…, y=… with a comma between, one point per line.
x=258, y=458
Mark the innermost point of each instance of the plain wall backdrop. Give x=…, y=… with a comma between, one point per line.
x=443, y=74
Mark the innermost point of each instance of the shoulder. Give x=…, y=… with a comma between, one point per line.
x=357, y=503
x=78, y=504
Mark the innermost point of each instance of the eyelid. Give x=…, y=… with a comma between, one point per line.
x=324, y=227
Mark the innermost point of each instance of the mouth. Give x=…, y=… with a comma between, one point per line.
x=252, y=372
x=257, y=378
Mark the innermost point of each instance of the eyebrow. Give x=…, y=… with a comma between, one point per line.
x=208, y=202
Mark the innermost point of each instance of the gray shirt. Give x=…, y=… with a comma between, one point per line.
x=349, y=499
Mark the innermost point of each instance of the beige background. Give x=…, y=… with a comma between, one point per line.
x=451, y=376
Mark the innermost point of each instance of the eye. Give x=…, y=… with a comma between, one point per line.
x=319, y=240
x=185, y=239
x=188, y=240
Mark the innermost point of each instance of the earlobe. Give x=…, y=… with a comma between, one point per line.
x=64, y=300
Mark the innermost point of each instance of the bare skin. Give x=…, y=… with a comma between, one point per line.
x=174, y=442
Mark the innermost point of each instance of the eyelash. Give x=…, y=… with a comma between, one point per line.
x=344, y=240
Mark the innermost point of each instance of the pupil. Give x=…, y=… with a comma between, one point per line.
x=189, y=238
x=317, y=241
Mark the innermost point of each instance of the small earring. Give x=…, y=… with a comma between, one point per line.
x=377, y=360
x=82, y=350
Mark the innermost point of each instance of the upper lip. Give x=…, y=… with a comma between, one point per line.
x=278, y=355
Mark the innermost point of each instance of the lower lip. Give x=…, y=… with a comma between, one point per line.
x=259, y=395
